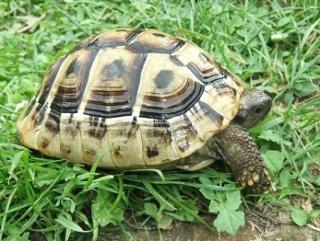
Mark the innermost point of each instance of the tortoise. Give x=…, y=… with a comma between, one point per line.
x=132, y=98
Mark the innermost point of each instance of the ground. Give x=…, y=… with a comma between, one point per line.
x=193, y=232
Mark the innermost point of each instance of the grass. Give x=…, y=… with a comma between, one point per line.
x=274, y=46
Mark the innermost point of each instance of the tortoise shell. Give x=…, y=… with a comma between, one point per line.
x=130, y=99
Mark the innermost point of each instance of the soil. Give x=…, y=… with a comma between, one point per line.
x=261, y=225
x=193, y=232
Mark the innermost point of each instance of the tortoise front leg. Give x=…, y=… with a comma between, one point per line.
x=244, y=159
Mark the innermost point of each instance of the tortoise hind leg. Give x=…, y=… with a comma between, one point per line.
x=196, y=166
x=202, y=158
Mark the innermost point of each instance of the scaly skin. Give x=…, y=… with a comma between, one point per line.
x=244, y=159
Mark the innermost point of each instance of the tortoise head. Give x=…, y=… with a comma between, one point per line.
x=254, y=106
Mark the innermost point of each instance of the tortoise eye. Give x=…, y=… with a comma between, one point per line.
x=258, y=110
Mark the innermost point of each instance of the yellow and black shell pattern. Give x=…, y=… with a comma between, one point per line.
x=130, y=98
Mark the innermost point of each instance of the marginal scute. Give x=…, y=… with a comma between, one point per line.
x=125, y=142
x=150, y=42
x=70, y=136
x=111, y=39
x=161, y=137
x=44, y=143
x=94, y=149
x=97, y=127
x=65, y=149
x=49, y=130
x=26, y=127
x=117, y=151
x=152, y=151
x=71, y=130
x=28, y=109
x=161, y=35
x=84, y=44
x=90, y=154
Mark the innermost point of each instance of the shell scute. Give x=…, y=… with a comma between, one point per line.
x=125, y=142
x=157, y=144
x=155, y=42
x=113, y=84
x=94, y=149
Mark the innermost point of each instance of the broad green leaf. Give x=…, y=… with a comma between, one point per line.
x=229, y=221
x=233, y=200
x=192, y=211
x=274, y=160
x=207, y=193
x=229, y=218
x=102, y=209
x=305, y=88
x=69, y=224
x=285, y=178
x=269, y=135
x=214, y=207
x=183, y=215
x=299, y=216
x=164, y=222
x=151, y=209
